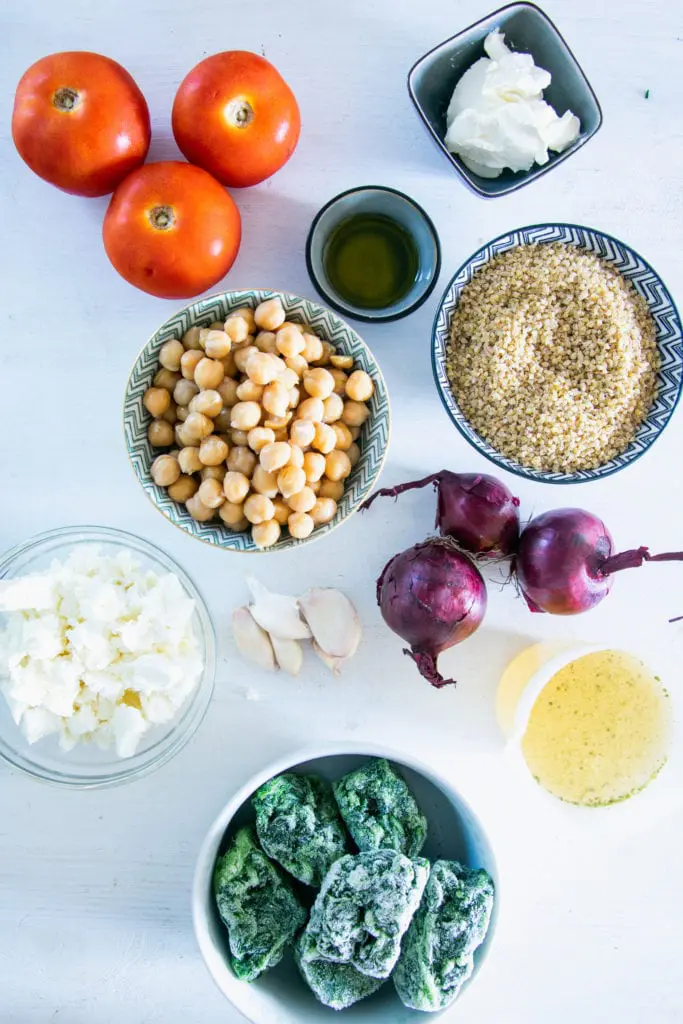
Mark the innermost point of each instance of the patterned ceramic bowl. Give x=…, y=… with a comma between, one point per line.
x=646, y=282
x=373, y=441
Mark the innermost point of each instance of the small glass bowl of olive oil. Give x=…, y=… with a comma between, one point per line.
x=373, y=253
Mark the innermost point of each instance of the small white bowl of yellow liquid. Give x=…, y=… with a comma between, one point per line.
x=588, y=725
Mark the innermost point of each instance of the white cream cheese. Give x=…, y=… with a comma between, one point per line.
x=97, y=648
x=497, y=116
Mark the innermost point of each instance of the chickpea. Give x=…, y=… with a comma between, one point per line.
x=341, y=362
x=227, y=389
x=279, y=424
x=240, y=527
x=297, y=457
x=313, y=348
x=360, y=386
x=300, y=525
x=340, y=379
x=212, y=451
x=324, y=510
x=213, y=473
x=302, y=501
x=242, y=357
x=258, y=508
x=259, y=437
x=183, y=488
x=297, y=364
x=265, y=342
x=164, y=378
x=231, y=513
x=245, y=415
x=337, y=466
x=245, y=313
x=344, y=439
x=184, y=391
x=325, y=439
x=288, y=377
x=353, y=453
x=160, y=434
x=156, y=401
x=208, y=373
x=290, y=323
x=315, y=486
x=247, y=391
x=275, y=455
x=216, y=325
x=302, y=433
x=181, y=413
x=294, y=397
x=318, y=383
x=197, y=426
x=236, y=329
x=281, y=434
x=311, y=409
x=209, y=403
x=275, y=399
x=240, y=437
x=236, y=487
x=269, y=315
x=264, y=535
x=221, y=423
x=290, y=342
x=198, y=510
x=262, y=368
x=291, y=480
x=241, y=460
x=354, y=414
x=331, y=489
x=191, y=339
x=264, y=482
x=165, y=470
x=282, y=511
x=210, y=493
x=171, y=414
x=229, y=365
x=217, y=344
x=334, y=407
x=170, y=354
x=189, y=362
x=189, y=461
x=328, y=352
x=180, y=438
x=314, y=466
x=203, y=334
x=355, y=432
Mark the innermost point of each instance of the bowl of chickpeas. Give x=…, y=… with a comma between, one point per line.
x=256, y=420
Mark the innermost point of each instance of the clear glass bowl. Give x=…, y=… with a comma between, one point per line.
x=86, y=766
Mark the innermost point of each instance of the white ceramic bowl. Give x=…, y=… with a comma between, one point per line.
x=280, y=996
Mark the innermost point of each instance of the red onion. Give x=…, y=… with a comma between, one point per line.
x=564, y=562
x=433, y=597
x=477, y=511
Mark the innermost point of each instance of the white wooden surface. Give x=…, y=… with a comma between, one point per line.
x=94, y=907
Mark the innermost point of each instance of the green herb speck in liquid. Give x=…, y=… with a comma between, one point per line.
x=371, y=260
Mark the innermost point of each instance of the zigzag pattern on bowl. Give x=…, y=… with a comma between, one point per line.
x=373, y=441
x=645, y=281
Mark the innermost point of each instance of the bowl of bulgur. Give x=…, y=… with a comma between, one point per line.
x=558, y=353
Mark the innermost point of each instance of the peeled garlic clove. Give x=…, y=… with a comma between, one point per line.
x=333, y=621
x=334, y=664
x=288, y=655
x=253, y=643
x=278, y=614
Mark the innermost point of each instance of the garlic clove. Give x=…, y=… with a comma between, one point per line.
x=288, y=655
x=333, y=621
x=253, y=643
x=334, y=664
x=278, y=614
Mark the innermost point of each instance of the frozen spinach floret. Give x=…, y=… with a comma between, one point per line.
x=379, y=810
x=257, y=906
x=298, y=825
x=437, y=952
x=365, y=905
x=336, y=985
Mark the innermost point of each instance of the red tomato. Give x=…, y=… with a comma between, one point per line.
x=171, y=230
x=235, y=116
x=80, y=122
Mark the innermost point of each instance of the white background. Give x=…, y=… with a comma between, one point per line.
x=94, y=908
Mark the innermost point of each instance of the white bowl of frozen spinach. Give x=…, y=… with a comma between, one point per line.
x=345, y=879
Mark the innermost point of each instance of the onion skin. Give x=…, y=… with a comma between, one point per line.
x=477, y=511
x=433, y=597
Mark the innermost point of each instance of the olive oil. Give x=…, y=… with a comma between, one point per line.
x=371, y=260
x=599, y=731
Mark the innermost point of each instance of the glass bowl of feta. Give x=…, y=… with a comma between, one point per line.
x=107, y=657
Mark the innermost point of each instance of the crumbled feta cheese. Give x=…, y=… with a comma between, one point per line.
x=98, y=649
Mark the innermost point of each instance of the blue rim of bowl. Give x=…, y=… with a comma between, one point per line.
x=539, y=476
x=453, y=159
x=380, y=318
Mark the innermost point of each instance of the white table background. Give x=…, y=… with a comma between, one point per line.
x=94, y=907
